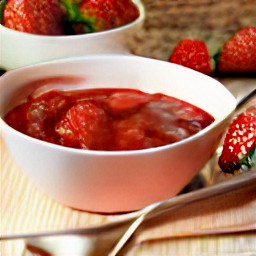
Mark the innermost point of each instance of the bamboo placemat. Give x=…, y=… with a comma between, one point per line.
x=25, y=209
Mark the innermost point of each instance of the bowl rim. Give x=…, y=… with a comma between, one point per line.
x=125, y=27
x=193, y=137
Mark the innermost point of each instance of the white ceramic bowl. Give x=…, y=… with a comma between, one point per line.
x=19, y=49
x=117, y=181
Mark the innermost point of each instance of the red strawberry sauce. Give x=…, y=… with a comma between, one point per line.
x=107, y=119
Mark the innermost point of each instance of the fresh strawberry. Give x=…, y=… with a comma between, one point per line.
x=42, y=17
x=239, y=143
x=239, y=52
x=193, y=54
x=86, y=16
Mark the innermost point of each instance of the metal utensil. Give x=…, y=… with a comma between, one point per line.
x=109, y=239
x=167, y=206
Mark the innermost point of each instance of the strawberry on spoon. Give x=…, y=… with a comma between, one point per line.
x=240, y=143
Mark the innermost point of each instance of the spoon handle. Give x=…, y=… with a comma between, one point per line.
x=154, y=210
x=244, y=99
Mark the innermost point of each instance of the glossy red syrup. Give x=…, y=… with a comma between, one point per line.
x=107, y=119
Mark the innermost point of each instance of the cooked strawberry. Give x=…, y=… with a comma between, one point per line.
x=239, y=144
x=137, y=132
x=239, y=52
x=124, y=101
x=84, y=126
x=86, y=16
x=193, y=54
x=42, y=17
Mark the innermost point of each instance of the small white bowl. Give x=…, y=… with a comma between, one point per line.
x=19, y=49
x=116, y=181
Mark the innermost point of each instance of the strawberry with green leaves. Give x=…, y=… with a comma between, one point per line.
x=193, y=54
x=85, y=16
x=239, y=53
x=59, y=17
x=42, y=17
x=239, y=147
x=74, y=22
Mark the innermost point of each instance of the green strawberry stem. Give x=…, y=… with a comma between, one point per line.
x=248, y=161
x=2, y=6
x=71, y=9
x=74, y=20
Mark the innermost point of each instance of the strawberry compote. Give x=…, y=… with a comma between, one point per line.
x=107, y=119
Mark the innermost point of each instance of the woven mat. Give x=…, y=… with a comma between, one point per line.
x=169, y=21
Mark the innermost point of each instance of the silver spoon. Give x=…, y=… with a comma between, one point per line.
x=110, y=239
x=166, y=207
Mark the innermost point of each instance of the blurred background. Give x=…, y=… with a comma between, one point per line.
x=169, y=21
